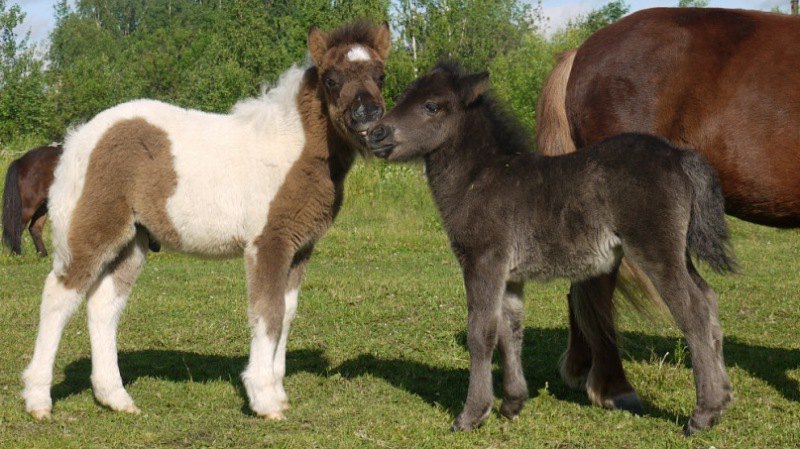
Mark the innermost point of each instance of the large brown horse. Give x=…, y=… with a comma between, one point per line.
x=724, y=82
x=25, y=196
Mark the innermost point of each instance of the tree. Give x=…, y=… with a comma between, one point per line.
x=23, y=105
x=692, y=3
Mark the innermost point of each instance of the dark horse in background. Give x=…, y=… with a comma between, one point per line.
x=723, y=82
x=28, y=180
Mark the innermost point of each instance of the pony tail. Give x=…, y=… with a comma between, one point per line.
x=12, y=210
x=552, y=126
x=708, y=237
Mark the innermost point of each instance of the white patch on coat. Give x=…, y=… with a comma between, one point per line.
x=229, y=166
x=358, y=53
x=58, y=305
x=259, y=376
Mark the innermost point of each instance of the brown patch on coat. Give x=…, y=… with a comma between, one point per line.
x=129, y=178
x=311, y=196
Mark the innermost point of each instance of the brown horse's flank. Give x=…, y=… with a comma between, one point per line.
x=130, y=169
x=28, y=181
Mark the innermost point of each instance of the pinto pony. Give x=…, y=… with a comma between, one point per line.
x=512, y=215
x=264, y=181
x=25, y=196
x=723, y=82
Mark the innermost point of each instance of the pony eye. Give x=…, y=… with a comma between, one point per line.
x=431, y=107
x=330, y=83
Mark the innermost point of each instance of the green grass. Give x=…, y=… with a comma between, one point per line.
x=377, y=353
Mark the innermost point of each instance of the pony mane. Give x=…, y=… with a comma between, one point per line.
x=359, y=32
x=273, y=103
x=506, y=129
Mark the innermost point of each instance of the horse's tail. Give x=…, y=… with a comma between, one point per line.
x=708, y=237
x=12, y=210
x=552, y=125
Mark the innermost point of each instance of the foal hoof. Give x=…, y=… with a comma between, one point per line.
x=274, y=416
x=132, y=409
x=40, y=414
x=511, y=408
x=629, y=402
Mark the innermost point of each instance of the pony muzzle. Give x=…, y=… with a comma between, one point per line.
x=380, y=140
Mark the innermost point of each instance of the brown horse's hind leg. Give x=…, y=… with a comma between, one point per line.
x=606, y=383
x=36, y=227
x=515, y=389
x=106, y=300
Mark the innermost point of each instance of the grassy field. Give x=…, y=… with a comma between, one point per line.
x=377, y=354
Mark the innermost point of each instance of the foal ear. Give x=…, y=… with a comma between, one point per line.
x=317, y=44
x=382, y=42
x=473, y=86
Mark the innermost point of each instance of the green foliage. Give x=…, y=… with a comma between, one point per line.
x=24, y=108
x=692, y=3
x=207, y=54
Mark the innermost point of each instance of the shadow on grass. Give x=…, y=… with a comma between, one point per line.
x=181, y=366
x=447, y=388
x=440, y=387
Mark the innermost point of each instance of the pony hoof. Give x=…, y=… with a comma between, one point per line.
x=511, y=409
x=41, y=414
x=629, y=402
x=284, y=406
x=132, y=409
x=274, y=416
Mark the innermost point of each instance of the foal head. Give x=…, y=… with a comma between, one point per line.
x=429, y=113
x=349, y=64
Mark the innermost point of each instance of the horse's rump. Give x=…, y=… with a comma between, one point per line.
x=723, y=82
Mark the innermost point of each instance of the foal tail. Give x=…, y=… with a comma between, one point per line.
x=552, y=125
x=12, y=210
x=708, y=236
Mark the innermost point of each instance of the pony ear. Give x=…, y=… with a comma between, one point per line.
x=317, y=44
x=383, y=40
x=473, y=86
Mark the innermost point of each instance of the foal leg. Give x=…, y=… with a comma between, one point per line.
x=606, y=383
x=107, y=299
x=267, y=268
x=515, y=389
x=36, y=227
x=485, y=284
x=59, y=302
x=697, y=317
x=292, y=290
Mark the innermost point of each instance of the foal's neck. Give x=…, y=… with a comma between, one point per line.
x=453, y=169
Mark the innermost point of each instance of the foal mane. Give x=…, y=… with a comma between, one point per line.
x=507, y=132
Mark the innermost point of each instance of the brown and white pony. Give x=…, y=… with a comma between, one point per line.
x=723, y=82
x=264, y=181
x=25, y=196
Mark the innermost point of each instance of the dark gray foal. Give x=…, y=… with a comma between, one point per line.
x=512, y=215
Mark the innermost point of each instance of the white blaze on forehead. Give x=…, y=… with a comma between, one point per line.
x=358, y=53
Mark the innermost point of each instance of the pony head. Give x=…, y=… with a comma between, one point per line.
x=350, y=62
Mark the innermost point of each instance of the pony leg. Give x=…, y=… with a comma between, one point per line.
x=106, y=301
x=292, y=290
x=515, y=389
x=267, y=275
x=485, y=287
x=36, y=227
x=606, y=383
x=58, y=305
x=697, y=317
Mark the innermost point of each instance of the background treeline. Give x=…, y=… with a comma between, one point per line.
x=207, y=54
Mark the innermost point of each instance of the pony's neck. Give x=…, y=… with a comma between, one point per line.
x=452, y=168
x=324, y=143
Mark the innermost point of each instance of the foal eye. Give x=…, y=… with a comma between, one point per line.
x=330, y=83
x=431, y=107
